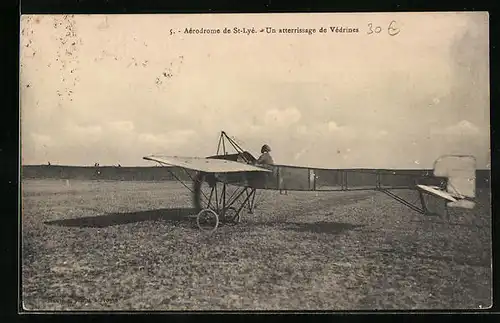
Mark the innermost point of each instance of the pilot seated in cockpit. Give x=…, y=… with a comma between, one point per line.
x=265, y=158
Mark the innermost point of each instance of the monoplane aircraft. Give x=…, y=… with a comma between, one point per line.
x=226, y=183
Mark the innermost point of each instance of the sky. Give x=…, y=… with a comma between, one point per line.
x=112, y=89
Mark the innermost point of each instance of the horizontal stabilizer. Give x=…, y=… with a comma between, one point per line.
x=206, y=165
x=434, y=190
x=465, y=204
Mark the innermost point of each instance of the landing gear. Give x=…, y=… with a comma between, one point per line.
x=232, y=216
x=219, y=203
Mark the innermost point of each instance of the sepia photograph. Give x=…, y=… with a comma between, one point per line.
x=255, y=162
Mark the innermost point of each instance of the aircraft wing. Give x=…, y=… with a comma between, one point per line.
x=207, y=165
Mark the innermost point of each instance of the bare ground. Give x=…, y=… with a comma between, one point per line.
x=95, y=245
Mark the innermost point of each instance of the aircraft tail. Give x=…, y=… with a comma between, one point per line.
x=460, y=170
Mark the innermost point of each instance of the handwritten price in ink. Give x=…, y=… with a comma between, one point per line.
x=392, y=29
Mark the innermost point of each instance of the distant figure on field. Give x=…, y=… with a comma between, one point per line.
x=97, y=171
x=48, y=163
x=265, y=158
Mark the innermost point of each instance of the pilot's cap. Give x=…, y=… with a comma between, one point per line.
x=265, y=149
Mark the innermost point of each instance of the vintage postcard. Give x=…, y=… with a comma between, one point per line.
x=239, y=162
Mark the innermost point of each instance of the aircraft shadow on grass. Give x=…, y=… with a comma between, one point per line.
x=187, y=215
x=107, y=220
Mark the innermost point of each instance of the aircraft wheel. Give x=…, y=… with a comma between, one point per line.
x=207, y=220
x=232, y=216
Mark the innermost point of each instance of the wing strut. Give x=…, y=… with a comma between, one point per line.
x=182, y=182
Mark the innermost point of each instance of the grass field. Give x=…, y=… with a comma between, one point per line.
x=96, y=245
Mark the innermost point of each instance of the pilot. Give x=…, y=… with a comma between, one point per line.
x=265, y=158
